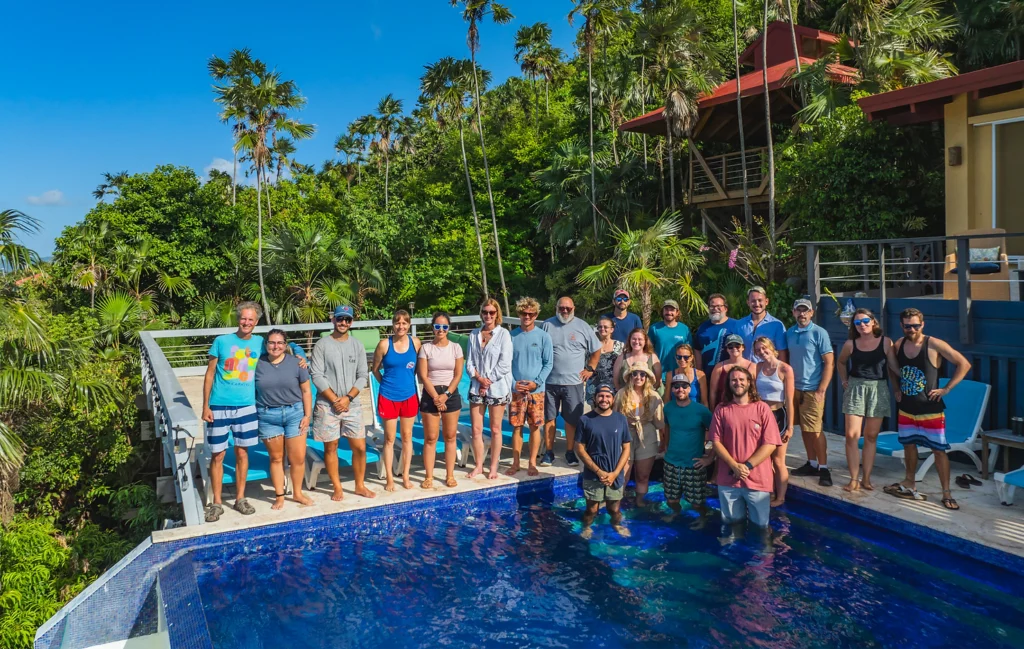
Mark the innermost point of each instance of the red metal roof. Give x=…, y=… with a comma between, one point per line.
x=753, y=50
x=923, y=103
x=750, y=84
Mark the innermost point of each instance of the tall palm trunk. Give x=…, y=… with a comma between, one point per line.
x=234, y=174
x=748, y=218
x=547, y=98
x=792, y=32
x=387, y=178
x=643, y=100
x=487, y=177
x=259, y=242
x=590, y=94
x=771, y=153
x=671, y=168
x=472, y=206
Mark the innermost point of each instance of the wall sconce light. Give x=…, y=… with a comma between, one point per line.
x=956, y=156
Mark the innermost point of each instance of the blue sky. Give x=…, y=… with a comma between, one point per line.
x=123, y=85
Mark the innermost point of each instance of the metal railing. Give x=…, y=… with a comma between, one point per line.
x=887, y=268
x=727, y=170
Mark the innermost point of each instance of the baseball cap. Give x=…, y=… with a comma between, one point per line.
x=604, y=387
x=803, y=302
x=344, y=311
x=619, y=292
x=733, y=339
x=671, y=303
x=680, y=378
x=756, y=289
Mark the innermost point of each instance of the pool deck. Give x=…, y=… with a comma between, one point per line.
x=981, y=517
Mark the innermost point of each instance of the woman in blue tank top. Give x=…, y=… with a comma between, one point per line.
x=394, y=367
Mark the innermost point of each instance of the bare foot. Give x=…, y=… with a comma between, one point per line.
x=427, y=484
x=337, y=495
x=406, y=483
x=866, y=485
x=303, y=499
x=516, y=468
x=365, y=493
x=587, y=533
x=622, y=530
x=853, y=486
x=532, y=471
x=278, y=503
x=450, y=481
x=475, y=472
x=493, y=475
x=390, y=486
x=776, y=502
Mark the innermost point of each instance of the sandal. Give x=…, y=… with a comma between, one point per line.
x=243, y=507
x=901, y=491
x=950, y=502
x=963, y=482
x=971, y=479
x=213, y=513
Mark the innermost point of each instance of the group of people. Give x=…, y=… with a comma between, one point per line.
x=729, y=395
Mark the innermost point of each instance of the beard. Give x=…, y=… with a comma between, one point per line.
x=715, y=318
x=602, y=408
x=565, y=319
x=739, y=392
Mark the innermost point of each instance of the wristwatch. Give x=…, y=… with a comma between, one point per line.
x=589, y=369
x=448, y=393
x=748, y=465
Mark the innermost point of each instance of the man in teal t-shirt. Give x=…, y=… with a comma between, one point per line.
x=668, y=334
x=686, y=462
x=229, y=405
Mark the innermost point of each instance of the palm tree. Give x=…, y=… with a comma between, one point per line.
x=549, y=58
x=348, y=145
x=305, y=259
x=13, y=255
x=89, y=274
x=237, y=69
x=385, y=125
x=282, y=150
x=111, y=186
x=644, y=260
x=445, y=87
x=532, y=43
x=747, y=213
x=768, y=137
x=473, y=12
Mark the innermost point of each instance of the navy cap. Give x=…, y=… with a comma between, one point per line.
x=344, y=311
x=604, y=387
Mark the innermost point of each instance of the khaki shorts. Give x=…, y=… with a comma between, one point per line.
x=527, y=409
x=329, y=426
x=597, y=492
x=809, y=411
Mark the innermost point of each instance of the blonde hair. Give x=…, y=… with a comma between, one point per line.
x=767, y=342
x=626, y=401
x=527, y=304
x=492, y=302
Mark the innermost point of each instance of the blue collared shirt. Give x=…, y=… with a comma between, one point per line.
x=770, y=327
x=806, y=347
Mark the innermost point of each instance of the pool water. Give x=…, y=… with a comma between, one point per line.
x=521, y=576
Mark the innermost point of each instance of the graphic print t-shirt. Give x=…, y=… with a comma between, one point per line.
x=235, y=381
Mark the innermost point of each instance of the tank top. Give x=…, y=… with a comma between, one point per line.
x=771, y=388
x=918, y=377
x=399, y=371
x=869, y=365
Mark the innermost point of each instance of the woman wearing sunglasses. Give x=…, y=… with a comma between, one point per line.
x=863, y=371
x=638, y=351
x=645, y=412
x=734, y=349
x=611, y=349
x=776, y=386
x=439, y=368
x=684, y=359
x=490, y=367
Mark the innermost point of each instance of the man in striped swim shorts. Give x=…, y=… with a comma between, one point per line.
x=229, y=405
x=922, y=417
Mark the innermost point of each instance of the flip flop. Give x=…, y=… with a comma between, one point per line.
x=901, y=491
x=963, y=482
x=950, y=502
x=971, y=479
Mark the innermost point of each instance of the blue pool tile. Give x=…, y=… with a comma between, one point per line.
x=183, y=607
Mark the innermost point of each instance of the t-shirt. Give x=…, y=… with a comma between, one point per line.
x=687, y=431
x=441, y=361
x=770, y=327
x=234, y=384
x=279, y=384
x=623, y=327
x=708, y=341
x=742, y=429
x=572, y=344
x=665, y=339
x=338, y=365
x=532, y=356
x=806, y=347
x=603, y=437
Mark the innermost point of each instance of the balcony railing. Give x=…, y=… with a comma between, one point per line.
x=720, y=177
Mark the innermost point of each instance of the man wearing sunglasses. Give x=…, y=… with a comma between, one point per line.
x=339, y=371
x=624, y=321
x=532, y=359
x=668, y=334
x=922, y=417
x=761, y=323
x=812, y=360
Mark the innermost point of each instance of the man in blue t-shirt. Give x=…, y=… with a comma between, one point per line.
x=603, y=447
x=812, y=360
x=668, y=334
x=686, y=460
x=532, y=360
x=712, y=332
x=623, y=320
x=761, y=323
x=229, y=405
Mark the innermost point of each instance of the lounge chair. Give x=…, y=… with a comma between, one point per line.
x=259, y=465
x=965, y=409
x=1007, y=483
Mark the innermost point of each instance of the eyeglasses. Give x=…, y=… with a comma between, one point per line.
x=716, y=307
x=912, y=327
x=622, y=298
x=440, y=327
x=275, y=343
x=862, y=321
x=605, y=327
x=489, y=312
x=683, y=357
x=344, y=319
x=802, y=309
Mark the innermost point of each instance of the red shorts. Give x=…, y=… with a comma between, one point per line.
x=388, y=409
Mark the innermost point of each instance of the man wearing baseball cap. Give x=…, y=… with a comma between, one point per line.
x=338, y=368
x=761, y=323
x=812, y=360
x=668, y=334
x=602, y=444
x=624, y=321
x=683, y=443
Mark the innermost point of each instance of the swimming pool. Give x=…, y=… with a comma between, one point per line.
x=517, y=573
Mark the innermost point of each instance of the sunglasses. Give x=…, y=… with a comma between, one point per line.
x=345, y=319
x=440, y=327
x=912, y=327
x=638, y=373
x=680, y=386
x=565, y=309
x=489, y=312
x=622, y=299
x=683, y=357
x=862, y=321
x=733, y=346
x=527, y=314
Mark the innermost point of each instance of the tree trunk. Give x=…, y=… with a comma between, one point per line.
x=671, y=169
x=645, y=305
x=748, y=218
x=9, y=482
x=387, y=179
x=234, y=173
x=792, y=32
x=771, y=153
x=92, y=295
x=472, y=205
x=487, y=177
x=590, y=94
x=547, y=98
x=615, y=150
x=259, y=244
x=643, y=101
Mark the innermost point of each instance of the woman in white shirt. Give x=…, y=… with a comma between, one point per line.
x=439, y=367
x=490, y=366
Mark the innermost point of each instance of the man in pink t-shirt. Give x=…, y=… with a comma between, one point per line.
x=744, y=434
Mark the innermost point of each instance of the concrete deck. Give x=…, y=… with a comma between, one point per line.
x=981, y=517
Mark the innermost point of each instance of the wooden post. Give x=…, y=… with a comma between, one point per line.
x=813, y=276
x=864, y=266
x=963, y=280
x=881, y=283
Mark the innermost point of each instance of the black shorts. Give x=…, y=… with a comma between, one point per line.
x=781, y=418
x=567, y=399
x=427, y=402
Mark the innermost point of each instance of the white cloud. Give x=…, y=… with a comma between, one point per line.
x=51, y=197
x=220, y=164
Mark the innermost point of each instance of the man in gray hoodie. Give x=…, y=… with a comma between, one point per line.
x=338, y=369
